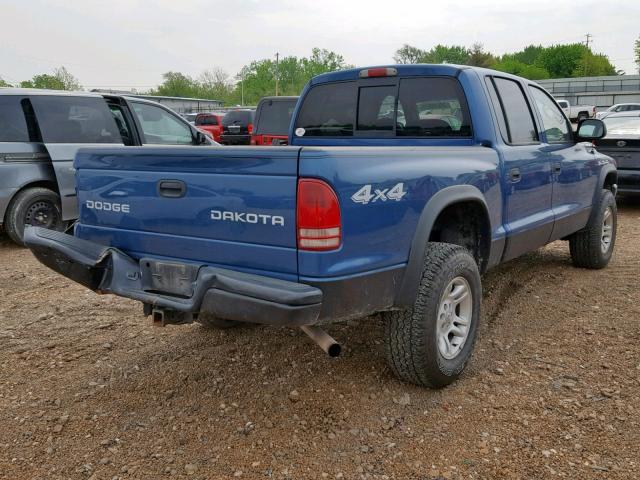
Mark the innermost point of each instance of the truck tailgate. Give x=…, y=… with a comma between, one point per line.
x=220, y=206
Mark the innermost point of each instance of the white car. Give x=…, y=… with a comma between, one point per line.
x=577, y=112
x=617, y=108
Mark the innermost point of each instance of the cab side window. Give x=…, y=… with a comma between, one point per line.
x=161, y=127
x=556, y=127
x=519, y=124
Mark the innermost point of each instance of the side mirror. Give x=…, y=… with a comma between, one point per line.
x=591, y=129
x=201, y=138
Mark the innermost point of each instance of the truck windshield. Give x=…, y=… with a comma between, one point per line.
x=274, y=116
x=412, y=107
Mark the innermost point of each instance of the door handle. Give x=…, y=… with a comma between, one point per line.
x=172, y=188
x=557, y=168
x=515, y=175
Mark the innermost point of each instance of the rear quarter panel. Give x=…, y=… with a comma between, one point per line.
x=378, y=235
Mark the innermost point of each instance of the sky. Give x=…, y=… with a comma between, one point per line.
x=127, y=44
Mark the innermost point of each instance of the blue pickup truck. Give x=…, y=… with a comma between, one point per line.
x=400, y=187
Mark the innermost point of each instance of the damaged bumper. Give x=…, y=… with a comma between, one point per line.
x=177, y=287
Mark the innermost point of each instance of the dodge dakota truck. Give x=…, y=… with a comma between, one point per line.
x=400, y=186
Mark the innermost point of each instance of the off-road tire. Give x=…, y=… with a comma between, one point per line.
x=23, y=205
x=586, y=245
x=411, y=335
x=214, y=323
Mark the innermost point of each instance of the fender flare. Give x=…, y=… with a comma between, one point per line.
x=604, y=172
x=406, y=294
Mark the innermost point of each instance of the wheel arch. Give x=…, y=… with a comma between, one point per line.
x=41, y=183
x=447, y=198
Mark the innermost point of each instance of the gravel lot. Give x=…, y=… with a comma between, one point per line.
x=90, y=389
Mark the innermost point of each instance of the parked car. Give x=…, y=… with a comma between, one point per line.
x=577, y=113
x=40, y=132
x=273, y=117
x=367, y=211
x=622, y=143
x=210, y=122
x=190, y=117
x=237, y=127
x=618, y=108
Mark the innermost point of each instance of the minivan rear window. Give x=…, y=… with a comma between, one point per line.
x=274, y=116
x=206, y=120
x=68, y=119
x=411, y=107
x=238, y=117
x=13, y=125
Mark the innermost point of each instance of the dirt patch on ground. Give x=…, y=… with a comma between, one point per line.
x=89, y=389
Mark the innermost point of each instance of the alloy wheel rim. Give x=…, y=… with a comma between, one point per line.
x=454, y=317
x=607, y=230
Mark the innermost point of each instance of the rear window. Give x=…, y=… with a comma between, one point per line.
x=206, y=120
x=329, y=110
x=238, y=117
x=13, y=125
x=65, y=119
x=274, y=116
x=414, y=107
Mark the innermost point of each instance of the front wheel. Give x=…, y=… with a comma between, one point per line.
x=39, y=207
x=592, y=246
x=431, y=343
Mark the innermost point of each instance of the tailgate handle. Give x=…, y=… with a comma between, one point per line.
x=172, y=188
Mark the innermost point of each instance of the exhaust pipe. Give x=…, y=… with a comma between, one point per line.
x=325, y=341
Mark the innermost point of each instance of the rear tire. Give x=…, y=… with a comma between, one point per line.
x=39, y=207
x=430, y=344
x=592, y=246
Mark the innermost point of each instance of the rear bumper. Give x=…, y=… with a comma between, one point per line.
x=230, y=139
x=194, y=289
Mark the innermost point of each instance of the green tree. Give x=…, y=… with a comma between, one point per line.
x=636, y=51
x=408, y=54
x=532, y=72
x=176, y=84
x=479, y=58
x=561, y=60
x=446, y=54
x=3, y=83
x=61, y=79
x=594, y=65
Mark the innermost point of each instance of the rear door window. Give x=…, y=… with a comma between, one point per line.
x=329, y=110
x=519, y=119
x=432, y=107
x=274, y=117
x=376, y=108
x=13, y=125
x=68, y=119
x=161, y=127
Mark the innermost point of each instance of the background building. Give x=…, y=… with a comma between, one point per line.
x=599, y=91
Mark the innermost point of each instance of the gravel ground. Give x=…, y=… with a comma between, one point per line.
x=89, y=389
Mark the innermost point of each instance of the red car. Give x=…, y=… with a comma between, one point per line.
x=210, y=122
x=273, y=117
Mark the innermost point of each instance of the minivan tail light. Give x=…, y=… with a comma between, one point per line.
x=318, y=216
x=378, y=72
x=250, y=128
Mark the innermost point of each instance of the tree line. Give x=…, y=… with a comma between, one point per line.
x=534, y=62
x=259, y=78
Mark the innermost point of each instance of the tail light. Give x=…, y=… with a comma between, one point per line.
x=253, y=141
x=378, y=72
x=318, y=216
x=250, y=128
